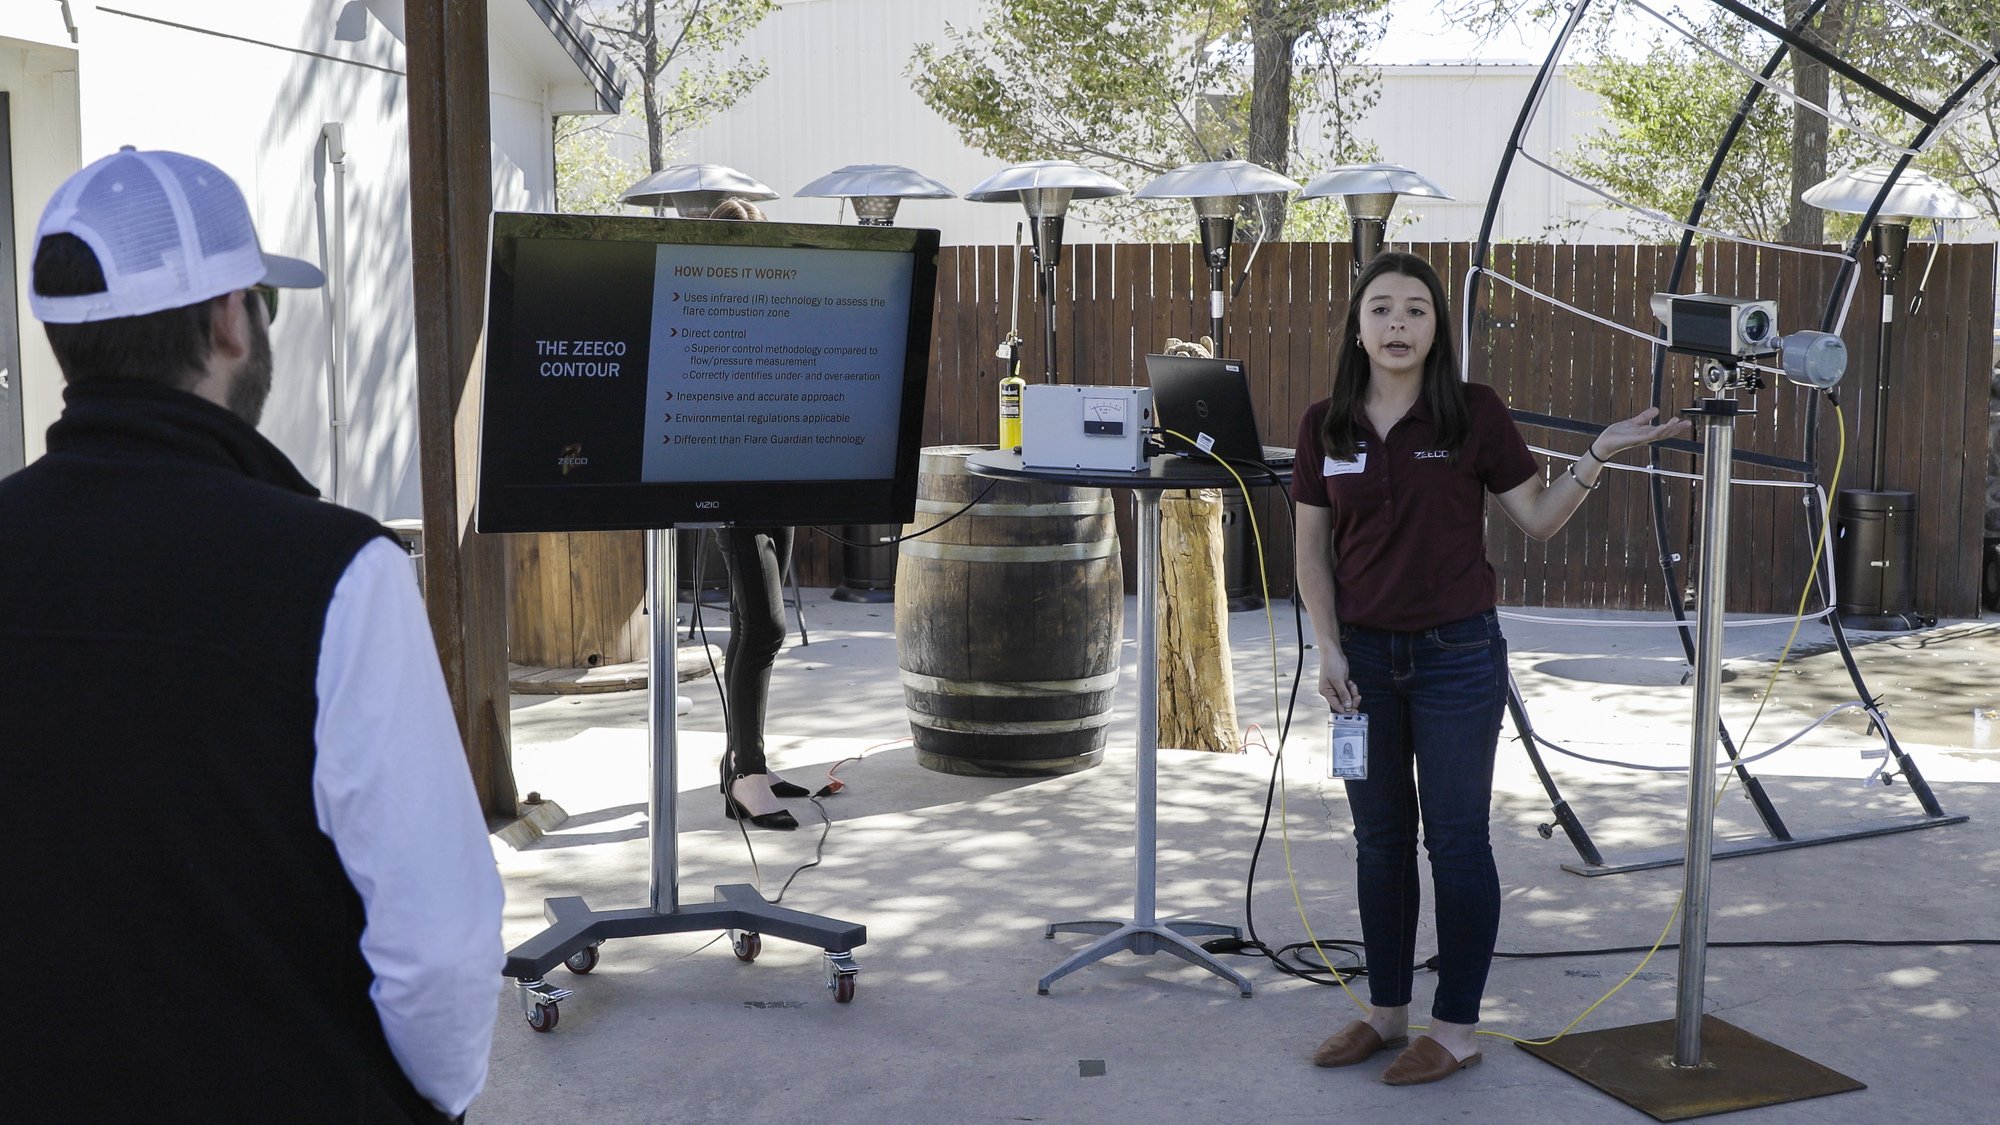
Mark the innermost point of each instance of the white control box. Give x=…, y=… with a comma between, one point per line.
x=1070, y=427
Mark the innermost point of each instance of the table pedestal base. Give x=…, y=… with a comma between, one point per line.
x=1145, y=940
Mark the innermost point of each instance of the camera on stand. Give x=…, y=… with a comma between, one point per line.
x=1727, y=331
x=1717, y=327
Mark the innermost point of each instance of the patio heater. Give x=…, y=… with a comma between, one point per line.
x=1045, y=188
x=1369, y=191
x=868, y=571
x=875, y=190
x=1219, y=189
x=1874, y=528
x=693, y=190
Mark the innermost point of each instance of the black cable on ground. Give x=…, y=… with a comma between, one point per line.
x=1253, y=945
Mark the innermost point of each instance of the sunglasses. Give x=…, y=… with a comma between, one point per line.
x=270, y=295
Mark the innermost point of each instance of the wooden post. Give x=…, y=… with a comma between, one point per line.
x=451, y=194
x=1197, y=691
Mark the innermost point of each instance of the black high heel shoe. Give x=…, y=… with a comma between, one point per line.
x=782, y=788
x=781, y=821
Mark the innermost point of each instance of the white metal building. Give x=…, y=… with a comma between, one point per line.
x=837, y=94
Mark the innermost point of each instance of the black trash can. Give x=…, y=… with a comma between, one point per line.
x=867, y=564
x=1241, y=585
x=1874, y=546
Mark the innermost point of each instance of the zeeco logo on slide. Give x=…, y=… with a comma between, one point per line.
x=572, y=458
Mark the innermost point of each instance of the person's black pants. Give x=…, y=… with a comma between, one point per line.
x=756, y=558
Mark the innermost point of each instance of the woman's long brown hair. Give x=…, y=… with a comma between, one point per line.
x=1443, y=390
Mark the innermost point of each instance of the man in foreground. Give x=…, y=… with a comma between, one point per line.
x=241, y=818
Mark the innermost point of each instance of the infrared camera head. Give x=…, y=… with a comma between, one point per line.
x=1813, y=359
x=1725, y=328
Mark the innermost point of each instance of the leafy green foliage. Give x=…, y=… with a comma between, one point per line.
x=678, y=52
x=1136, y=87
x=1668, y=113
x=1669, y=106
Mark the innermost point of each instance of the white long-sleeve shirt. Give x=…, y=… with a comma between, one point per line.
x=393, y=793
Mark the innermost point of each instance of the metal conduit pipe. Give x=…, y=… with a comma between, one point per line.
x=333, y=262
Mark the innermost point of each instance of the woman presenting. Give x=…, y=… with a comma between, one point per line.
x=1391, y=481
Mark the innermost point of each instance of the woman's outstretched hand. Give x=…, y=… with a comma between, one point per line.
x=1636, y=431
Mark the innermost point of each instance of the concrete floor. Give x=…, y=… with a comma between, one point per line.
x=955, y=878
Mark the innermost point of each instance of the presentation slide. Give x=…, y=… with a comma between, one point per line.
x=650, y=372
x=760, y=353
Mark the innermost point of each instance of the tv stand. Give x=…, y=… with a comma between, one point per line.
x=576, y=931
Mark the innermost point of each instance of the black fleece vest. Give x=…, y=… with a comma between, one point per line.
x=165, y=574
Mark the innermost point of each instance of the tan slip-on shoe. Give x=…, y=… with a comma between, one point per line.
x=1426, y=1060
x=1357, y=1042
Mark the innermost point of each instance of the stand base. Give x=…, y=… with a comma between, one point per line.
x=1674, y=856
x=1738, y=1070
x=863, y=596
x=1160, y=937
x=575, y=931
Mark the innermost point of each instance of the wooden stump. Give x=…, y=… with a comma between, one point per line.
x=1197, y=692
x=577, y=599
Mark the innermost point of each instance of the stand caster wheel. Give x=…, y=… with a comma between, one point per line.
x=544, y=1017
x=582, y=961
x=747, y=945
x=840, y=973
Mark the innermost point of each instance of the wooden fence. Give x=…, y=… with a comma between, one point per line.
x=1118, y=302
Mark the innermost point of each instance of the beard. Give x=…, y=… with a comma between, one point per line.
x=253, y=380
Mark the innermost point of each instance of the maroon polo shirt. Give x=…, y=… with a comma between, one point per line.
x=1409, y=528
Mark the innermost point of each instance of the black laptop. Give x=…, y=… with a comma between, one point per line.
x=1209, y=398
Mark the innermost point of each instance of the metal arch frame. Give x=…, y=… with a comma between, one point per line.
x=1791, y=39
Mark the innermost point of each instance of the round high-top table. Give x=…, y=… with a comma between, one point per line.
x=1144, y=933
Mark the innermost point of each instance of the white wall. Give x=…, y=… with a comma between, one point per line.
x=1452, y=122
x=41, y=81
x=836, y=95
x=248, y=87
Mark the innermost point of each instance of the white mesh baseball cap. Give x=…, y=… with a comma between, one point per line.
x=168, y=230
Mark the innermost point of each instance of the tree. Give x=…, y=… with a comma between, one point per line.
x=1806, y=223
x=1920, y=48
x=1668, y=111
x=1137, y=87
x=675, y=49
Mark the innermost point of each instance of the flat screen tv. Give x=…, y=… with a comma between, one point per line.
x=650, y=373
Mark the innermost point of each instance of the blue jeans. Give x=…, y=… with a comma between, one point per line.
x=1433, y=700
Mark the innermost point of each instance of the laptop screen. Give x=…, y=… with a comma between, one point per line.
x=1196, y=399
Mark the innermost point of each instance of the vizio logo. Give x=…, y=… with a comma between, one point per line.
x=707, y=505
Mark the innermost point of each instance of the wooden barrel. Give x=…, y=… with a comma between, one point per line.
x=1008, y=622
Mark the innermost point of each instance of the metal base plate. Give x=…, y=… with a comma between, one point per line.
x=1674, y=856
x=1738, y=1070
x=574, y=925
